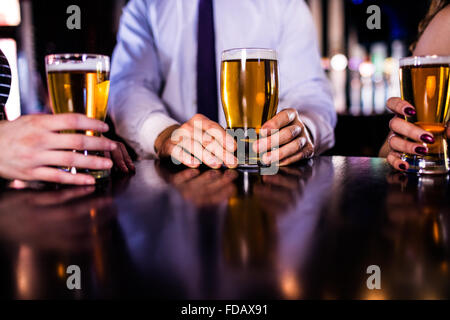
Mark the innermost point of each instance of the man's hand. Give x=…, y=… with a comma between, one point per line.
x=121, y=158
x=197, y=141
x=291, y=137
x=32, y=144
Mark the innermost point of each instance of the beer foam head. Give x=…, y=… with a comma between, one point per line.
x=76, y=62
x=249, y=53
x=424, y=60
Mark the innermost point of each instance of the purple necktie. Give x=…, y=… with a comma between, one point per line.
x=5, y=84
x=206, y=62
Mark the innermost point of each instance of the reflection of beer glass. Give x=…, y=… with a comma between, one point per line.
x=425, y=84
x=250, y=234
x=79, y=83
x=249, y=91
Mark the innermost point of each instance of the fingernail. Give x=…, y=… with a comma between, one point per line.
x=266, y=158
x=255, y=146
x=89, y=180
x=212, y=164
x=296, y=131
x=263, y=132
x=113, y=146
x=105, y=127
x=410, y=111
x=107, y=163
x=230, y=145
x=427, y=138
x=402, y=166
x=291, y=116
x=421, y=150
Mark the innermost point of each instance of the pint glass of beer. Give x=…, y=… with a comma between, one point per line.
x=80, y=83
x=249, y=92
x=424, y=84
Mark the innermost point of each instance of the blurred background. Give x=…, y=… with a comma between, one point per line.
x=362, y=64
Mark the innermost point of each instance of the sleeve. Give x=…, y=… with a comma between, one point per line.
x=138, y=113
x=303, y=84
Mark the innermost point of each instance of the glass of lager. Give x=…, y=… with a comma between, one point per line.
x=249, y=92
x=424, y=84
x=80, y=83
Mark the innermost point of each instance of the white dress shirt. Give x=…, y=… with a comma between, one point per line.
x=153, y=74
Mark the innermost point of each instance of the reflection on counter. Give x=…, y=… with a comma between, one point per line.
x=265, y=225
x=417, y=209
x=310, y=231
x=54, y=227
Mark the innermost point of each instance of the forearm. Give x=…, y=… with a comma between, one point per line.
x=139, y=116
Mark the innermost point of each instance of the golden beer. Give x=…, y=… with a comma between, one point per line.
x=79, y=83
x=425, y=85
x=249, y=92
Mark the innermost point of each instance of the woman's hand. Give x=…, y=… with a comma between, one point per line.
x=31, y=145
x=396, y=144
x=291, y=138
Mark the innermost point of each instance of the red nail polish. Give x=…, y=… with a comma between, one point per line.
x=427, y=138
x=410, y=111
x=421, y=150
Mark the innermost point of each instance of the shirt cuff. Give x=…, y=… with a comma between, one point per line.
x=150, y=130
x=322, y=133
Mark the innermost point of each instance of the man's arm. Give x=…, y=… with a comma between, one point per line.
x=136, y=109
x=303, y=84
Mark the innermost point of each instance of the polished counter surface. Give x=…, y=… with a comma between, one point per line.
x=310, y=231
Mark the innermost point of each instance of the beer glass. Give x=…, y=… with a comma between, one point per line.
x=79, y=83
x=249, y=92
x=424, y=84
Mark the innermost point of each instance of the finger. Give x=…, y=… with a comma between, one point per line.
x=306, y=153
x=179, y=154
x=409, y=130
x=393, y=158
x=60, y=176
x=214, y=130
x=222, y=154
x=402, y=145
x=79, y=142
x=197, y=150
x=280, y=120
x=72, y=121
x=73, y=159
x=127, y=157
x=285, y=151
x=119, y=161
x=401, y=107
x=280, y=138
